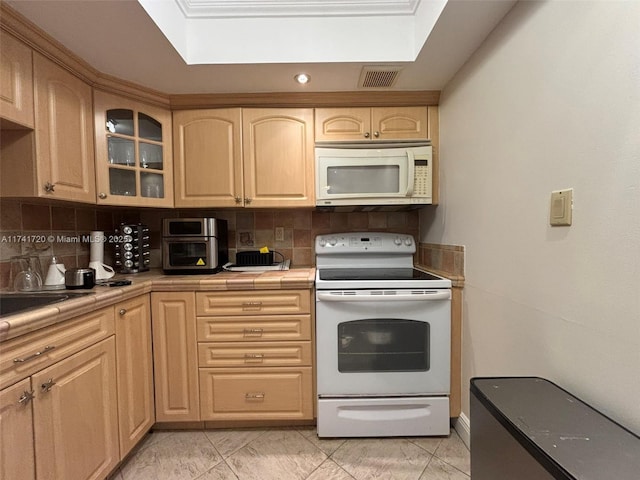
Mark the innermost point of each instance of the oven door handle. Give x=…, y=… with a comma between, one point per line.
x=426, y=297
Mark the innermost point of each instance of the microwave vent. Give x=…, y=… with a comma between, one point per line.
x=379, y=76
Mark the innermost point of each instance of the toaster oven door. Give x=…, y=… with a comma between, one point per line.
x=190, y=255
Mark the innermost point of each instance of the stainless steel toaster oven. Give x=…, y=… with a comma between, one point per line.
x=194, y=245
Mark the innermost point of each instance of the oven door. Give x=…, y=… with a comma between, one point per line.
x=186, y=254
x=383, y=342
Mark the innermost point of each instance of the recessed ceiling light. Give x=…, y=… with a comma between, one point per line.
x=302, y=78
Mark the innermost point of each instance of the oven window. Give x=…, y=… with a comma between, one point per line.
x=187, y=254
x=383, y=345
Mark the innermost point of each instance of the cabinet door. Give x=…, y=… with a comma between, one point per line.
x=75, y=415
x=133, y=152
x=16, y=432
x=135, y=371
x=16, y=81
x=175, y=356
x=395, y=123
x=278, y=157
x=64, y=134
x=208, y=158
x=343, y=124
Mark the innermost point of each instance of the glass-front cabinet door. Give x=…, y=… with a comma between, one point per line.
x=133, y=152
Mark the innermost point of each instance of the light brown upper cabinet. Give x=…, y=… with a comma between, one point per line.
x=278, y=157
x=375, y=124
x=244, y=158
x=57, y=162
x=16, y=81
x=208, y=158
x=133, y=152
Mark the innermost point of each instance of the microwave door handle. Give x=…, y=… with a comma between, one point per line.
x=410, y=173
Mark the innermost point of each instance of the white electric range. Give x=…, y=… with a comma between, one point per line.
x=382, y=338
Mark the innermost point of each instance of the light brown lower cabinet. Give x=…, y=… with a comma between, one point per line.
x=75, y=415
x=175, y=356
x=136, y=412
x=259, y=393
x=58, y=408
x=17, y=459
x=255, y=355
x=78, y=395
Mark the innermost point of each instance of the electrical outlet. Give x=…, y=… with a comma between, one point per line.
x=279, y=234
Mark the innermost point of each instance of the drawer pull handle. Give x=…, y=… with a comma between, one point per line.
x=252, y=332
x=251, y=305
x=46, y=349
x=26, y=397
x=253, y=357
x=254, y=396
x=48, y=385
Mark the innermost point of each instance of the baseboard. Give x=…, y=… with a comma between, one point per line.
x=463, y=428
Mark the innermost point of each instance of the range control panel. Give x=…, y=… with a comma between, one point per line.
x=365, y=242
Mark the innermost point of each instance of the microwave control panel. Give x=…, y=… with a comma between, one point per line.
x=421, y=178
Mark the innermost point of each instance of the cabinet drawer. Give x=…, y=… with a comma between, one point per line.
x=27, y=354
x=263, y=302
x=263, y=394
x=258, y=354
x=254, y=329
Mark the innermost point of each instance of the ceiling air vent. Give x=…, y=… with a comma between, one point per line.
x=379, y=76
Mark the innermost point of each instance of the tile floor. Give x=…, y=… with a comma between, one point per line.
x=294, y=453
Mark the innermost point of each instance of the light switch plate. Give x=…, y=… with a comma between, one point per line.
x=561, y=207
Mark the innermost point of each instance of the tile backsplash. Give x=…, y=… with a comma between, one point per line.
x=48, y=228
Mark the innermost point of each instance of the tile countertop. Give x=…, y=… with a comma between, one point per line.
x=18, y=324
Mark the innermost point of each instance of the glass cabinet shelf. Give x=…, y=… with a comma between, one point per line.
x=134, y=140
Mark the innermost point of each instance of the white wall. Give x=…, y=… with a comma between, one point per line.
x=550, y=101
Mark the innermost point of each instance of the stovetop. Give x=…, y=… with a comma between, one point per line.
x=400, y=274
x=368, y=260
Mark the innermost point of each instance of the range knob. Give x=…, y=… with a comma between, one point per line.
x=333, y=241
x=397, y=241
x=408, y=241
x=323, y=242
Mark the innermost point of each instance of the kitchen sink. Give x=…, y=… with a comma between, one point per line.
x=11, y=303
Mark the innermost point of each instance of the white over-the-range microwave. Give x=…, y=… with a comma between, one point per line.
x=373, y=174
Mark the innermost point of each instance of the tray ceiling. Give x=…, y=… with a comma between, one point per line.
x=119, y=38
x=284, y=31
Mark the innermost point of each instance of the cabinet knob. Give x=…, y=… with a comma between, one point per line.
x=254, y=396
x=122, y=311
x=247, y=200
x=238, y=200
x=26, y=397
x=376, y=134
x=46, y=386
x=102, y=195
x=49, y=187
x=367, y=134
